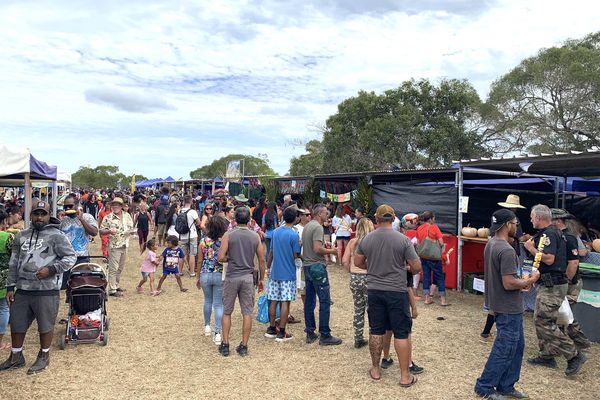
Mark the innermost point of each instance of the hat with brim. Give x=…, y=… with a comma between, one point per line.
x=41, y=205
x=117, y=200
x=300, y=210
x=241, y=198
x=385, y=213
x=500, y=218
x=512, y=201
x=559, y=213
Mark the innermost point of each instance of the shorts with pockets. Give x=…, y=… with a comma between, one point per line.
x=26, y=308
x=189, y=246
x=241, y=287
x=389, y=311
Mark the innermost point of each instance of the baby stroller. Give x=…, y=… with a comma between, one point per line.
x=86, y=294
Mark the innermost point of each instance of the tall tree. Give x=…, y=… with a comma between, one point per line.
x=102, y=176
x=310, y=163
x=551, y=102
x=416, y=125
x=252, y=166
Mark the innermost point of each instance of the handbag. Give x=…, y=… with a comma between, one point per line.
x=429, y=249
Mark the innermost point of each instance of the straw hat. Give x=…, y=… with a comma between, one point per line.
x=512, y=201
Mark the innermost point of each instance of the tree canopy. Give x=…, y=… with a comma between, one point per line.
x=418, y=124
x=102, y=176
x=551, y=102
x=252, y=166
x=310, y=163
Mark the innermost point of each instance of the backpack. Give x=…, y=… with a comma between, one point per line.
x=162, y=214
x=181, y=223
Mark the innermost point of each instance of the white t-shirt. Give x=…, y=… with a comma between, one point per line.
x=343, y=226
x=192, y=216
x=396, y=224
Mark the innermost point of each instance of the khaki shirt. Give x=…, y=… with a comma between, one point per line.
x=123, y=225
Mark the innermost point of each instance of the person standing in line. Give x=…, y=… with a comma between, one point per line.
x=551, y=292
x=118, y=225
x=314, y=250
x=429, y=231
x=342, y=226
x=238, y=249
x=503, y=294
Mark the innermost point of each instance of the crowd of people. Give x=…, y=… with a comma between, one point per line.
x=231, y=246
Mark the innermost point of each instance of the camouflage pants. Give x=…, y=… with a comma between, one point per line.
x=358, y=286
x=552, y=341
x=574, y=330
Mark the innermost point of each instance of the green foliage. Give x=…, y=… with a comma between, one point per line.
x=311, y=193
x=310, y=163
x=102, y=176
x=364, y=197
x=271, y=190
x=416, y=125
x=252, y=166
x=551, y=102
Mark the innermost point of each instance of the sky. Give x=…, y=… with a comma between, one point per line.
x=161, y=87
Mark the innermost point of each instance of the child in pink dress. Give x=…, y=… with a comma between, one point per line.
x=148, y=267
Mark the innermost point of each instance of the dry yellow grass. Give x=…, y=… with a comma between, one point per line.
x=158, y=350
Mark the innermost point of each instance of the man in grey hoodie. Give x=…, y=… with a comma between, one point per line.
x=40, y=254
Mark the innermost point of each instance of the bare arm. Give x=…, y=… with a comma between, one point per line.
x=510, y=282
x=322, y=250
x=360, y=261
x=89, y=229
x=414, y=265
x=224, y=248
x=260, y=253
x=347, y=255
x=572, y=268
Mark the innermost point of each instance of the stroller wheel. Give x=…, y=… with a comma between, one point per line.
x=62, y=342
x=104, y=339
x=106, y=323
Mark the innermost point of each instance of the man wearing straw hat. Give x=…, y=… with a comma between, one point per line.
x=513, y=203
x=118, y=225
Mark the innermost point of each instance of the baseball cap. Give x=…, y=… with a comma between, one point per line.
x=560, y=213
x=385, y=212
x=501, y=217
x=41, y=205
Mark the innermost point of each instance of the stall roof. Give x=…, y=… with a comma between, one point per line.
x=16, y=162
x=574, y=163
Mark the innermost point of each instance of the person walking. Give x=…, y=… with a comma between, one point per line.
x=385, y=254
x=118, y=225
x=430, y=248
x=342, y=227
x=238, y=249
x=316, y=278
x=143, y=222
x=551, y=292
x=189, y=239
x=40, y=254
x=503, y=294
x=160, y=220
x=210, y=275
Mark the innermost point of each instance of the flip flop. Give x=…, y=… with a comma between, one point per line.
x=407, y=385
x=372, y=377
x=446, y=305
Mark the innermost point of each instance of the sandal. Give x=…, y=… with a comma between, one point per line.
x=407, y=385
x=183, y=290
x=372, y=377
x=292, y=320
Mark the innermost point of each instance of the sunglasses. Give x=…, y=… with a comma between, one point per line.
x=68, y=206
x=208, y=208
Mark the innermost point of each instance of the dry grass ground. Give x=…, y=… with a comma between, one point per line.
x=157, y=350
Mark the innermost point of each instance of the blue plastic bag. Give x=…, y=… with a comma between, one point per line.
x=262, y=314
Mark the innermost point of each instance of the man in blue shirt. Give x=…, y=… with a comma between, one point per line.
x=285, y=248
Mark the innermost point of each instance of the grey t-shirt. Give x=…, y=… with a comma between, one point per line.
x=313, y=231
x=501, y=259
x=241, y=251
x=387, y=252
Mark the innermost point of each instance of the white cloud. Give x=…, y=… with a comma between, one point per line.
x=201, y=80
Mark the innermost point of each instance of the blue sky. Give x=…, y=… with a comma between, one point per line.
x=163, y=87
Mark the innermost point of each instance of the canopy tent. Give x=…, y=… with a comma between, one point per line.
x=19, y=167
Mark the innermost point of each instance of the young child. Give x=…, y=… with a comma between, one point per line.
x=172, y=260
x=148, y=267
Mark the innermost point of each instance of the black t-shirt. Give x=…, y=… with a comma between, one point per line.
x=555, y=243
x=572, y=246
x=143, y=222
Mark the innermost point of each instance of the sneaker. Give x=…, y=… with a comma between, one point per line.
x=140, y=289
x=192, y=274
x=311, y=337
x=271, y=332
x=387, y=362
x=242, y=350
x=491, y=396
x=207, y=330
x=284, y=337
x=415, y=369
x=330, y=341
x=575, y=364
x=116, y=294
x=40, y=364
x=515, y=394
x=358, y=343
x=224, y=349
x=14, y=361
x=217, y=339
x=542, y=361
x=121, y=290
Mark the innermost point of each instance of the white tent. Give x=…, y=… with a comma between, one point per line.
x=18, y=167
